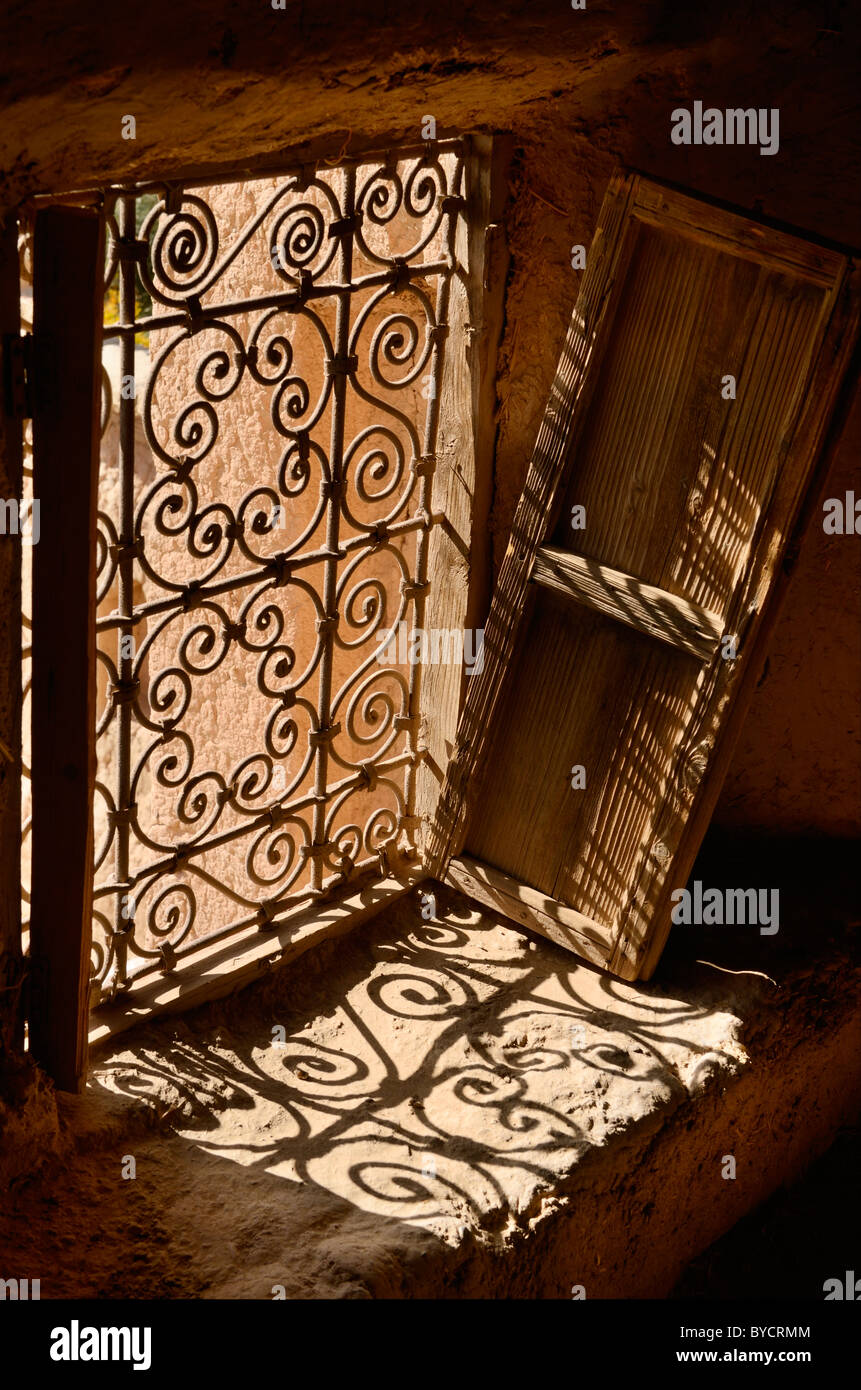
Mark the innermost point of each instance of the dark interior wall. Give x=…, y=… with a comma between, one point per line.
x=212, y=83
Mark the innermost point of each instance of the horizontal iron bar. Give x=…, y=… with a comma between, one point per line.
x=288, y=299
x=286, y=905
x=250, y=577
x=365, y=894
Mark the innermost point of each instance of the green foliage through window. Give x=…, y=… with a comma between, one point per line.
x=143, y=303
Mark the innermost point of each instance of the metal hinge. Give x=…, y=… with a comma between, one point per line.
x=18, y=375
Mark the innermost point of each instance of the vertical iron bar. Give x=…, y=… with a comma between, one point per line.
x=330, y=578
x=125, y=575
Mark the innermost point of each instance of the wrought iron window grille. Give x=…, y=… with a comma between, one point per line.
x=195, y=578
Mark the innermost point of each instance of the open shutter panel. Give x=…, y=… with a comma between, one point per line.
x=604, y=646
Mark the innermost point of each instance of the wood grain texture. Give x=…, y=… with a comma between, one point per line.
x=833, y=377
x=674, y=478
x=691, y=490
x=458, y=549
x=650, y=610
x=587, y=334
x=585, y=692
x=522, y=904
x=704, y=222
x=67, y=299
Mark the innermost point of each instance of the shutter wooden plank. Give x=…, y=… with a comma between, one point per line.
x=522, y=904
x=675, y=479
x=642, y=606
x=586, y=692
x=690, y=493
x=67, y=295
x=700, y=220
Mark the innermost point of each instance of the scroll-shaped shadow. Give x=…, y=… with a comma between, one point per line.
x=441, y=1072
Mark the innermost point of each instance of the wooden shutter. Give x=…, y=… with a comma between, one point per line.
x=604, y=646
x=68, y=260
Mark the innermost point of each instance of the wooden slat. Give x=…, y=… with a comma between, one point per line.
x=11, y=965
x=674, y=478
x=708, y=223
x=648, y=609
x=585, y=691
x=530, y=908
x=67, y=259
